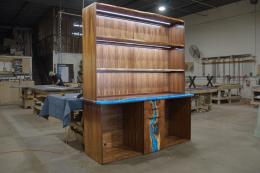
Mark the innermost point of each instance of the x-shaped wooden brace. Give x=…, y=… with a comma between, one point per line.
x=210, y=78
x=192, y=81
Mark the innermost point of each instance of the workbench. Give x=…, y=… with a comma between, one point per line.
x=224, y=93
x=257, y=127
x=40, y=92
x=12, y=91
x=255, y=95
x=202, y=100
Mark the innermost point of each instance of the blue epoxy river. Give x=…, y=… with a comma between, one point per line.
x=143, y=99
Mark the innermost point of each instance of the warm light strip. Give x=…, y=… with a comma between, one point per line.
x=134, y=17
x=179, y=26
x=178, y=48
x=138, y=44
x=77, y=25
x=77, y=34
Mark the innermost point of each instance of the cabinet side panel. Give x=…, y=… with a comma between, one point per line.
x=176, y=59
x=93, y=131
x=176, y=34
x=177, y=82
x=89, y=52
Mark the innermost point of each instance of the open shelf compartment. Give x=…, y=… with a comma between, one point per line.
x=177, y=128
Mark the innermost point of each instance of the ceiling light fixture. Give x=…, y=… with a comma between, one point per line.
x=162, y=8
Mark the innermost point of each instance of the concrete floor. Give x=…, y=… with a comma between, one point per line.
x=222, y=142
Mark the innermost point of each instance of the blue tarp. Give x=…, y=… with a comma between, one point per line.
x=60, y=107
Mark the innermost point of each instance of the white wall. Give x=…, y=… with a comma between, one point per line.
x=228, y=30
x=69, y=58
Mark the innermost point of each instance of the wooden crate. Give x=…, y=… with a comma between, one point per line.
x=132, y=54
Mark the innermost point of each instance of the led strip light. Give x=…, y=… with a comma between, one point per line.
x=134, y=17
x=138, y=44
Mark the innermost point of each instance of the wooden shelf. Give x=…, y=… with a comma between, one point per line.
x=139, y=70
x=119, y=153
x=172, y=140
x=132, y=96
x=140, y=43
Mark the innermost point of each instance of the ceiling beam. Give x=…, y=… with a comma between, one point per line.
x=204, y=3
x=13, y=21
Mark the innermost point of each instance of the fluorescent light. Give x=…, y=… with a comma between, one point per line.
x=162, y=8
x=134, y=17
x=77, y=34
x=77, y=25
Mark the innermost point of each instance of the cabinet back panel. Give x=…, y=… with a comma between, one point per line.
x=111, y=56
x=119, y=83
x=125, y=29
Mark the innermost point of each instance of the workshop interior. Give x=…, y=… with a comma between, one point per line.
x=130, y=85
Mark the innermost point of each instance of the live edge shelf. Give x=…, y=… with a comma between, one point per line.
x=133, y=83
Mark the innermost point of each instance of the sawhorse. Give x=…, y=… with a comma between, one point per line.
x=192, y=81
x=210, y=78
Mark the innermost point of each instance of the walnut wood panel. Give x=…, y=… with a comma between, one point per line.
x=176, y=35
x=122, y=29
x=115, y=84
x=138, y=43
x=119, y=153
x=111, y=56
x=179, y=117
x=117, y=28
x=112, y=139
x=111, y=118
x=134, y=126
x=150, y=58
x=136, y=13
x=112, y=131
x=133, y=70
x=89, y=52
x=151, y=33
x=92, y=131
x=177, y=122
x=177, y=82
x=122, y=131
x=176, y=59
